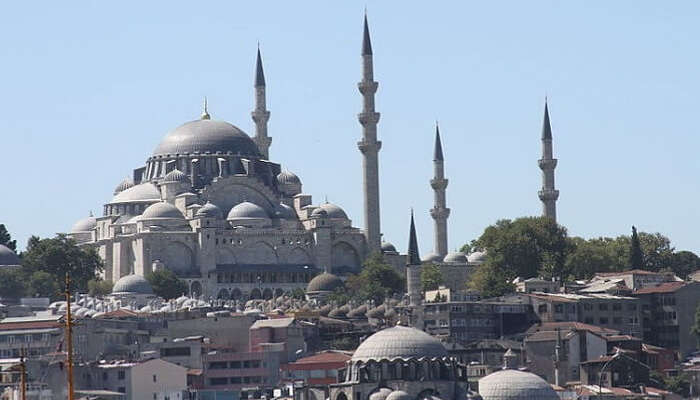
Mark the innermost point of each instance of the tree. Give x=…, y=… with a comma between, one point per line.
x=60, y=255
x=695, y=329
x=12, y=284
x=636, y=255
x=491, y=281
x=6, y=238
x=431, y=276
x=98, y=287
x=526, y=247
x=683, y=263
x=44, y=284
x=166, y=284
x=376, y=281
x=589, y=257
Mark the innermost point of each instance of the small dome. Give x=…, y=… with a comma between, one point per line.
x=511, y=384
x=84, y=225
x=399, y=395
x=333, y=211
x=247, y=210
x=324, y=282
x=210, y=210
x=284, y=211
x=139, y=193
x=123, y=185
x=399, y=342
x=380, y=394
x=432, y=258
x=205, y=135
x=388, y=248
x=133, y=284
x=176, y=176
x=161, y=210
x=288, y=178
x=319, y=213
x=8, y=257
x=456, y=257
x=477, y=257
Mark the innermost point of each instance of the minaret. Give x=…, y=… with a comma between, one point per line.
x=369, y=146
x=548, y=195
x=261, y=115
x=413, y=267
x=439, y=212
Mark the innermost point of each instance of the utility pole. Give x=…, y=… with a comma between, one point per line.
x=23, y=374
x=69, y=339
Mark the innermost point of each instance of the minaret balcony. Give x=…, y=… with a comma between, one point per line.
x=548, y=194
x=547, y=163
x=439, y=213
x=368, y=117
x=368, y=87
x=439, y=184
x=366, y=146
x=260, y=116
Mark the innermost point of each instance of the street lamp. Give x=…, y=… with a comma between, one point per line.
x=615, y=356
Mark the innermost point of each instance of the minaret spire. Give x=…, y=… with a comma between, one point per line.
x=260, y=114
x=548, y=195
x=413, y=267
x=369, y=145
x=439, y=212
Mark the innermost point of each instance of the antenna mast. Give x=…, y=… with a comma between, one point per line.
x=69, y=339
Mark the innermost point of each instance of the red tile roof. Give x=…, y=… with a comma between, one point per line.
x=668, y=287
x=572, y=325
x=631, y=271
x=325, y=357
x=12, y=326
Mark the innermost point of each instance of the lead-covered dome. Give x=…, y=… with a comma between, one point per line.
x=8, y=257
x=477, y=257
x=399, y=342
x=389, y=248
x=210, y=210
x=205, y=135
x=132, y=284
x=139, y=193
x=333, y=211
x=176, y=176
x=456, y=257
x=511, y=384
x=432, y=258
x=324, y=282
x=84, y=225
x=162, y=210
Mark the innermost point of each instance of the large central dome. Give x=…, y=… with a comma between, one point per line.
x=399, y=342
x=206, y=135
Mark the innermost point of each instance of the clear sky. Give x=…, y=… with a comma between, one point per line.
x=88, y=89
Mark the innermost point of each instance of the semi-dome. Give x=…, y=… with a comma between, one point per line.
x=132, y=284
x=455, y=257
x=477, y=257
x=284, y=211
x=205, y=135
x=8, y=257
x=210, y=210
x=511, y=384
x=139, y=193
x=388, y=248
x=176, y=176
x=324, y=282
x=288, y=178
x=399, y=342
x=162, y=210
x=319, y=213
x=380, y=394
x=85, y=225
x=123, y=185
x=432, y=258
x=333, y=211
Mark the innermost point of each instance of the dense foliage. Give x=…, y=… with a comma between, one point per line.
x=537, y=246
x=166, y=284
x=6, y=239
x=377, y=281
x=431, y=277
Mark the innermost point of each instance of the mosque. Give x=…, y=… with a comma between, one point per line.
x=210, y=205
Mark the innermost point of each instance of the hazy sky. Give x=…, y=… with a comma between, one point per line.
x=88, y=89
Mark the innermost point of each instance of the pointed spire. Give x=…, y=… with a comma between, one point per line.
x=546, y=127
x=259, y=74
x=438, y=144
x=205, y=111
x=413, y=256
x=366, y=42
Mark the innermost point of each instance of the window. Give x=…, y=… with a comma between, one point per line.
x=603, y=321
x=588, y=320
x=603, y=307
x=155, y=395
x=104, y=376
x=617, y=306
x=218, y=381
x=631, y=307
x=542, y=308
x=559, y=308
x=155, y=379
x=617, y=320
x=236, y=380
x=121, y=389
x=588, y=306
x=121, y=375
x=235, y=364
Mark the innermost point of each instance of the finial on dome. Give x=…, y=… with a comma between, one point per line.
x=205, y=112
